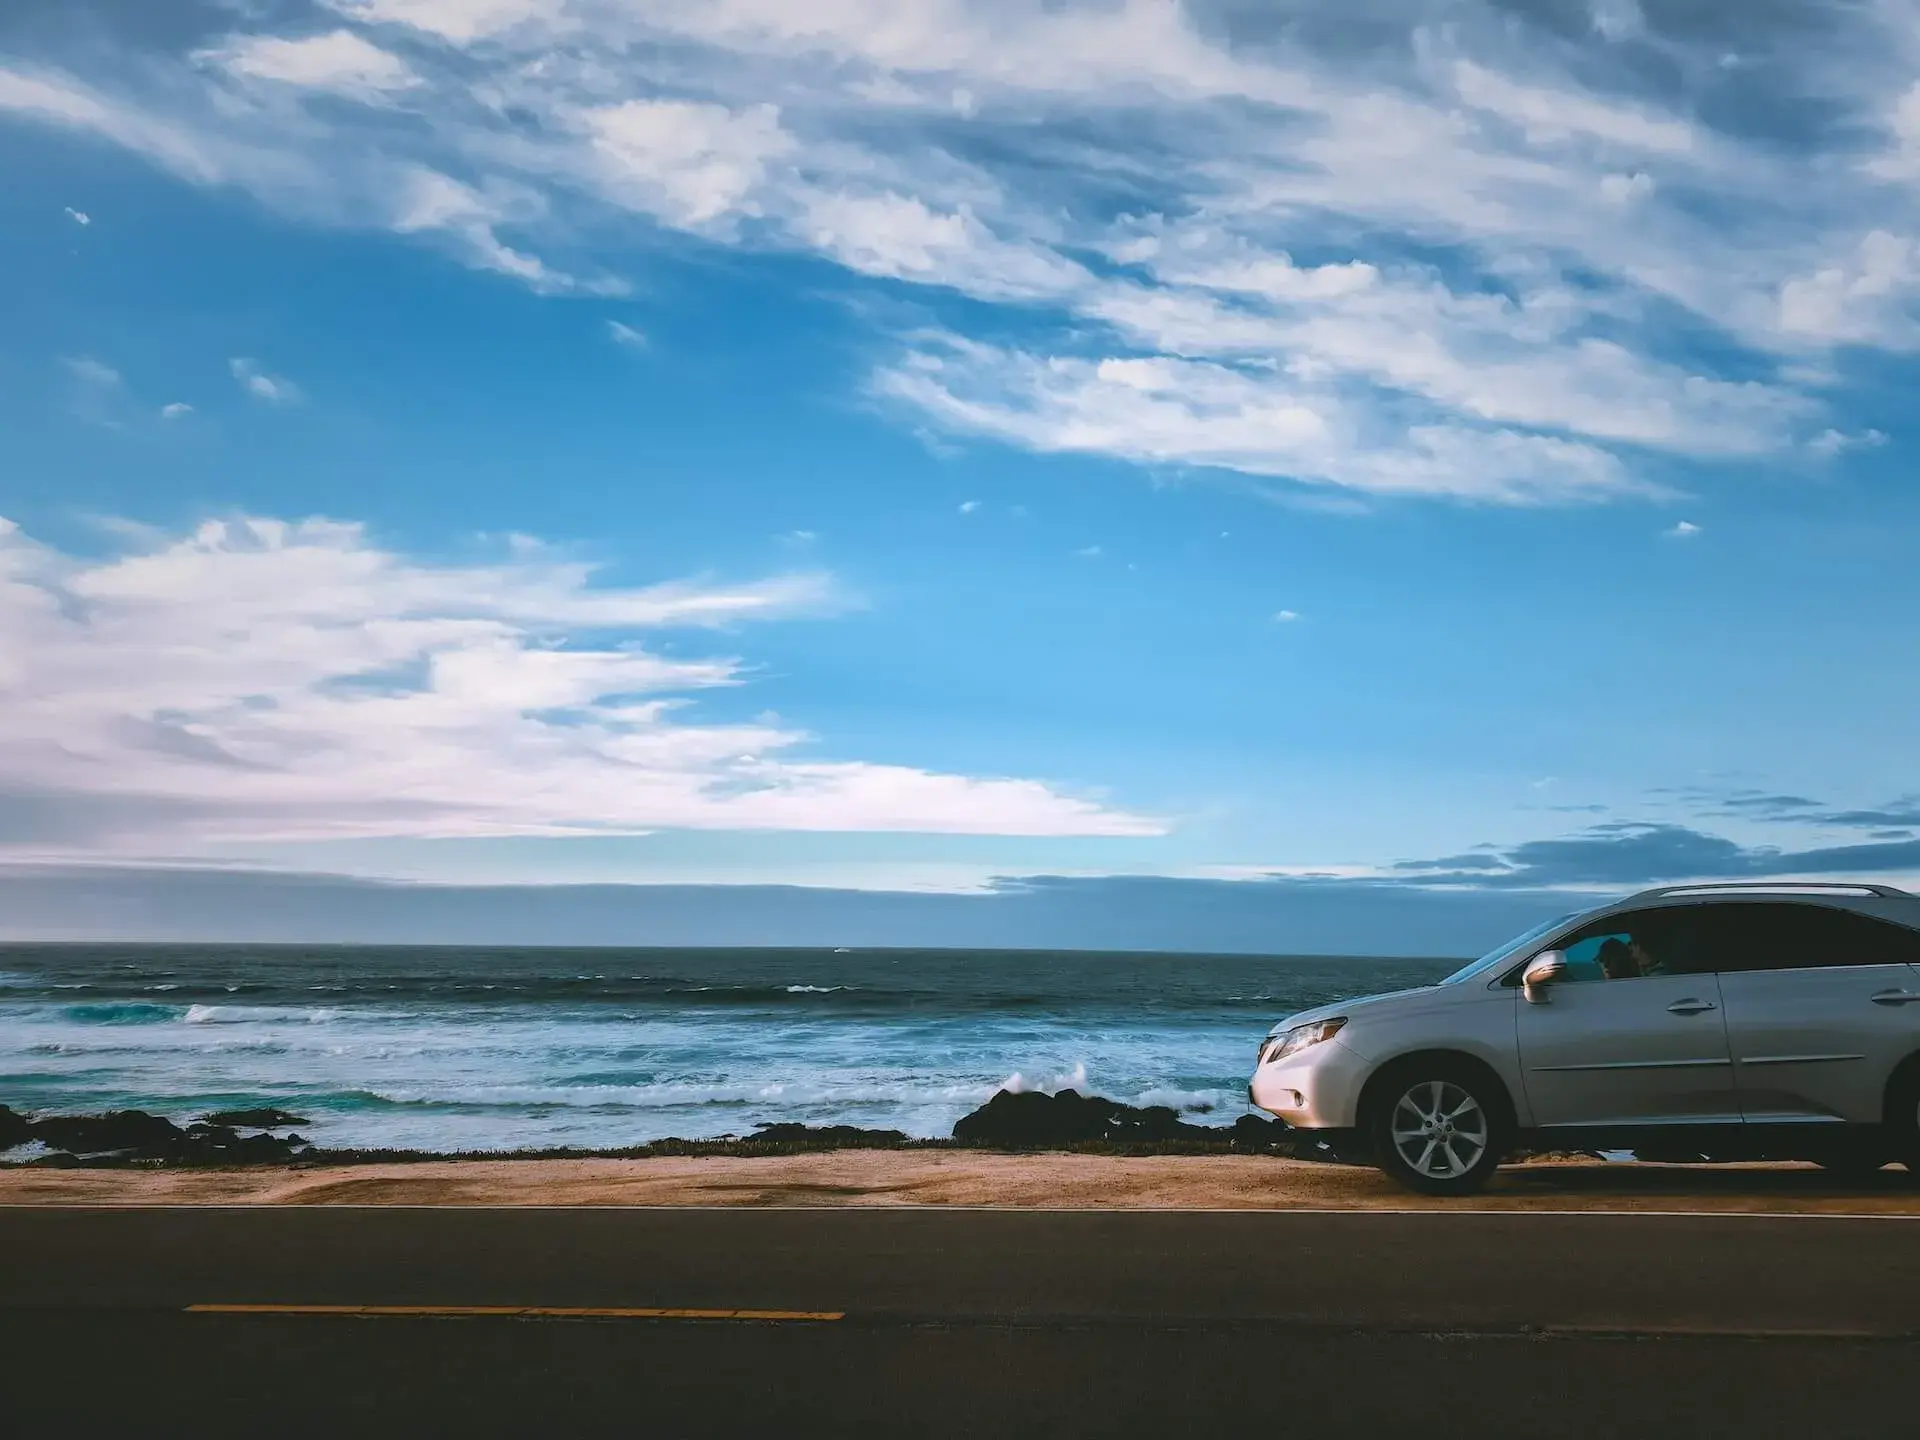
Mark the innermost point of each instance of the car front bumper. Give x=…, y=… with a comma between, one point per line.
x=1313, y=1089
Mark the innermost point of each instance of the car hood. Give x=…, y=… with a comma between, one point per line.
x=1349, y=1007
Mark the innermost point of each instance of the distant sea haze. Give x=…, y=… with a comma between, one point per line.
x=445, y=1048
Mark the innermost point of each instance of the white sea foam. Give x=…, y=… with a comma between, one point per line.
x=255, y=1015
x=1074, y=1079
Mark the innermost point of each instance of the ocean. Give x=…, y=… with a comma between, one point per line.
x=442, y=1048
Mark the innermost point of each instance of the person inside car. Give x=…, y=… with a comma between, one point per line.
x=1617, y=960
x=1644, y=961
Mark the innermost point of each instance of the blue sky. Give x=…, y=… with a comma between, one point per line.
x=879, y=447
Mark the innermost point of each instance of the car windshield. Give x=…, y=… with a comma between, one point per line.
x=1507, y=951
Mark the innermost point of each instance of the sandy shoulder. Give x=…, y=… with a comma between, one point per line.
x=934, y=1178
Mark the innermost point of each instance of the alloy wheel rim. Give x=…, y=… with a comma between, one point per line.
x=1439, y=1130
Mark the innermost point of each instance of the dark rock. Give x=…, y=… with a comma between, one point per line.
x=262, y=1149
x=831, y=1137
x=266, y=1118
x=1155, y=1122
x=1257, y=1132
x=136, y=1135
x=1028, y=1118
x=128, y=1130
x=15, y=1129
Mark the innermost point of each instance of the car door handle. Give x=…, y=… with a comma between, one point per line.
x=1894, y=997
x=1691, y=1007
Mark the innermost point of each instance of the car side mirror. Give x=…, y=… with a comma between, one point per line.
x=1545, y=969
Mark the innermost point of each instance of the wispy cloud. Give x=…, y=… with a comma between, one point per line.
x=274, y=389
x=89, y=371
x=1477, y=264
x=1681, y=530
x=340, y=61
x=1830, y=442
x=98, y=394
x=262, y=680
x=1626, y=855
x=1800, y=810
x=1166, y=411
x=623, y=334
x=79, y=217
x=460, y=22
x=175, y=410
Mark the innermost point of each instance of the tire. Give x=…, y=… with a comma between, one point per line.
x=1902, y=1127
x=1438, y=1128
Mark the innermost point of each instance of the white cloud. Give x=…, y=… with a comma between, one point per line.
x=1619, y=19
x=688, y=163
x=1286, y=617
x=1830, y=443
x=259, y=680
x=922, y=49
x=99, y=395
x=1483, y=354
x=1552, y=116
x=902, y=238
x=1682, y=530
x=1140, y=180
x=623, y=334
x=89, y=371
x=1864, y=298
x=57, y=99
x=175, y=410
x=1626, y=189
x=967, y=507
x=459, y=21
x=429, y=202
x=1901, y=161
x=1163, y=411
x=79, y=217
x=274, y=389
x=340, y=61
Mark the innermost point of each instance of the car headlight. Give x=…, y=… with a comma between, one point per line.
x=1300, y=1037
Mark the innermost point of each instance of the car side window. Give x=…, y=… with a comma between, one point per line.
x=1799, y=936
x=1631, y=946
x=1583, y=955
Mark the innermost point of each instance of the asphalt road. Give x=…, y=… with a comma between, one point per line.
x=919, y=1321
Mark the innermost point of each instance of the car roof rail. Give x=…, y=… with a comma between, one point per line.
x=1779, y=887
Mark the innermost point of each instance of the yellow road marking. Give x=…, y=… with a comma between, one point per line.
x=543, y=1312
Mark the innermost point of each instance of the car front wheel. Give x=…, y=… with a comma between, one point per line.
x=1437, y=1130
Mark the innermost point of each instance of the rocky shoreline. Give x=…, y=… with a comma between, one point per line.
x=1010, y=1121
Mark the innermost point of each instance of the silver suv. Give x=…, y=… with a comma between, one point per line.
x=1692, y=1022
